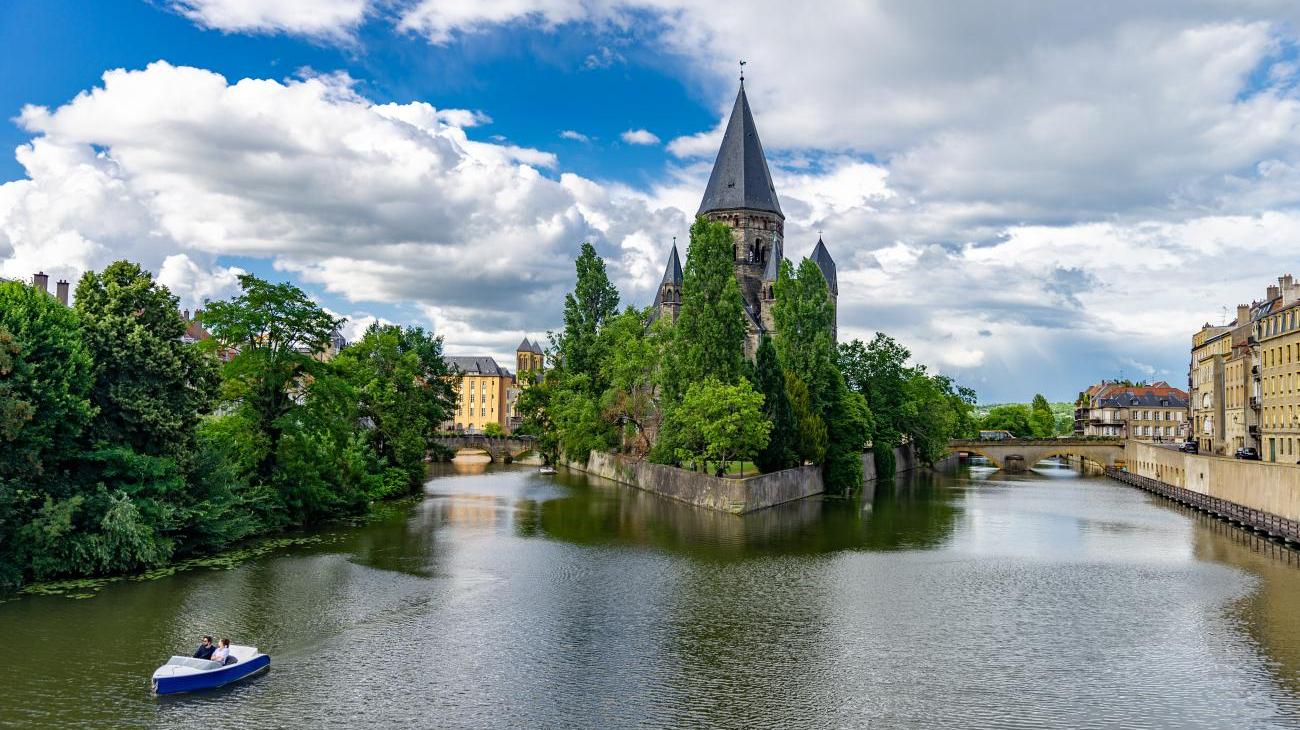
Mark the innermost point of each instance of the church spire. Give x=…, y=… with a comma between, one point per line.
x=740, y=179
x=822, y=257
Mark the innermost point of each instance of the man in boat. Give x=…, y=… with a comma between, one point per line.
x=205, y=649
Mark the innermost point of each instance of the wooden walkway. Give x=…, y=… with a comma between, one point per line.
x=1265, y=523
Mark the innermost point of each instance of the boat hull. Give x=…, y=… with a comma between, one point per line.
x=211, y=679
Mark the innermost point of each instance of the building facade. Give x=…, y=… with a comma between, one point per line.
x=481, y=390
x=1277, y=352
x=1149, y=412
x=741, y=194
x=1245, y=378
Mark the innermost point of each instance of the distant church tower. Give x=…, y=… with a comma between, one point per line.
x=741, y=194
x=668, y=300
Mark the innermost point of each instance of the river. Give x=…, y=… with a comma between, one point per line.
x=506, y=598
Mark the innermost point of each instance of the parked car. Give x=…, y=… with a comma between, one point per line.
x=1250, y=453
x=1190, y=447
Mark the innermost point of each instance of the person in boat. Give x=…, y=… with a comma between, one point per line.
x=222, y=654
x=206, y=649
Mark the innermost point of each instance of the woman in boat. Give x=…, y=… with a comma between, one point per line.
x=222, y=654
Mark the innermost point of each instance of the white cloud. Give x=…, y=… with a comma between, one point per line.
x=195, y=284
x=317, y=18
x=175, y=166
x=640, y=136
x=574, y=135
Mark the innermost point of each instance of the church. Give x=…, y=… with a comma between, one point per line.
x=741, y=194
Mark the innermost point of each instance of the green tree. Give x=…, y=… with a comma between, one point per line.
x=493, y=430
x=633, y=355
x=275, y=329
x=803, y=315
x=404, y=393
x=593, y=301
x=848, y=428
x=534, y=410
x=709, y=337
x=1013, y=418
x=810, y=429
x=770, y=381
x=717, y=423
x=150, y=388
x=879, y=371
x=1042, y=423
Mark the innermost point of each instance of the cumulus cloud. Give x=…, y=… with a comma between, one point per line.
x=393, y=203
x=315, y=18
x=574, y=135
x=640, y=136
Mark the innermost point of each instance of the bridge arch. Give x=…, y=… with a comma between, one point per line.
x=1022, y=454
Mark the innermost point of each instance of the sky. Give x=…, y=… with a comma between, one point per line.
x=1030, y=195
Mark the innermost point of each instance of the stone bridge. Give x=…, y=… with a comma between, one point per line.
x=500, y=448
x=1021, y=454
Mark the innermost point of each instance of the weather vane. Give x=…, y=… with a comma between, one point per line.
x=742, y=71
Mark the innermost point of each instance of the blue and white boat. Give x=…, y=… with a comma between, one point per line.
x=187, y=674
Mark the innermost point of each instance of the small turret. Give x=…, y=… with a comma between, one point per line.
x=668, y=300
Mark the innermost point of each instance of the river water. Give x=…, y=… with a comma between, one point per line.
x=505, y=598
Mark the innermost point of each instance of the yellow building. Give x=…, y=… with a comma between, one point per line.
x=482, y=388
x=1277, y=352
x=1211, y=347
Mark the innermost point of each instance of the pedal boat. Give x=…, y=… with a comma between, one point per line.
x=187, y=674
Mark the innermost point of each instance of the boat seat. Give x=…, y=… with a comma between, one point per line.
x=193, y=662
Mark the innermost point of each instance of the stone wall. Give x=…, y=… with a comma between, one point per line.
x=737, y=496
x=905, y=459
x=1272, y=488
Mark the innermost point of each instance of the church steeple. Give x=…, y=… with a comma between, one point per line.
x=740, y=179
x=822, y=257
x=668, y=300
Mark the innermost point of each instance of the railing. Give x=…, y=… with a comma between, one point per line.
x=1266, y=522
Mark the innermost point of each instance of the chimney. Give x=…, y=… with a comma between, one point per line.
x=42, y=281
x=1243, y=314
x=62, y=288
x=1271, y=293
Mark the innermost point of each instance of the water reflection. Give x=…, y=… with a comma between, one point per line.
x=506, y=598
x=916, y=511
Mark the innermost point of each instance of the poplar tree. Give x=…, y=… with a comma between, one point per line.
x=709, y=340
x=592, y=303
x=803, y=316
x=770, y=381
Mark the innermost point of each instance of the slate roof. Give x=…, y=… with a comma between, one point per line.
x=1175, y=399
x=822, y=258
x=773, y=269
x=524, y=346
x=476, y=365
x=740, y=176
x=672, y=275
x=537, y=349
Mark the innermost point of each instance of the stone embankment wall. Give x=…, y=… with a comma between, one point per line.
x=737, y=496
x=1268, y=487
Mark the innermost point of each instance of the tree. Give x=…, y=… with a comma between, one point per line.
x=150, y=388
x=404, y=392
x=275, y=329
x=709, y=337
x=493, y=430
x=849, y=429
x=879, y=371
x=810, y=429
x=48, y=382
x=1041, y=421
x=717, y=423
x=633, y=355
x=534, y=410
x=770, y=381
x=593, y=301
x=803, y=315
x=1013, y=418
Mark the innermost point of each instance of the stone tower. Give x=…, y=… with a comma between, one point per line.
x=668, y=300
x=529, y=358
x=741, y=194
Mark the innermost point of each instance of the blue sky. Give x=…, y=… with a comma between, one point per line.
x=1029, y=199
